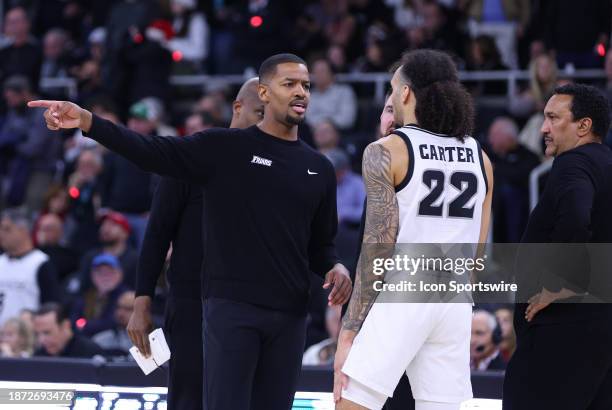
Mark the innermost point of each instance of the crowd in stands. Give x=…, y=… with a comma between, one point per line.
x=73, y=215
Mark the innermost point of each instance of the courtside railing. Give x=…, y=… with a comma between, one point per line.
x=379, y=80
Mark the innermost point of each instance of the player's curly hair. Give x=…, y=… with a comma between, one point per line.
x=443, y=105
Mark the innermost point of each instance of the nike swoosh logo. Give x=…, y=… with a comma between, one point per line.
x=312, y=173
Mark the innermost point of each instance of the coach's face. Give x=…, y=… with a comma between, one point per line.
x=287, y=93
x=559, y=129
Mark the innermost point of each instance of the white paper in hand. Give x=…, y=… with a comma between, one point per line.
x=159, y=347
x=147, y=364
x=160, y=353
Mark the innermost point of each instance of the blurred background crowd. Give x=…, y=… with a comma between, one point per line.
x=73, y=214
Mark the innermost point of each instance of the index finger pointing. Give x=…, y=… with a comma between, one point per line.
x=41, y=103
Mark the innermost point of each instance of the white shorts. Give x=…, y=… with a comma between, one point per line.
x=428, y=341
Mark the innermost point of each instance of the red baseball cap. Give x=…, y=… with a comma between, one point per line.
x=119, y=219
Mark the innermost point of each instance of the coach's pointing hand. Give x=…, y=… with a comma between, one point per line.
x=338, y=277
x=63, y=114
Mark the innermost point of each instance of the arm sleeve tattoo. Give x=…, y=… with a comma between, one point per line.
x=380, y=232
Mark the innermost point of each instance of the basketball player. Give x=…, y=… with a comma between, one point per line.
x=387, y=123
x=402, y=396
x=270, y=218
x=176, y=218
x=428, y=182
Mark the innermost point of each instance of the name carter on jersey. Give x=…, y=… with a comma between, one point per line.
x=447, y=154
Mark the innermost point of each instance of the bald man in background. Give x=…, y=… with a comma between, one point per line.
x=513, y=164
x=176, y=218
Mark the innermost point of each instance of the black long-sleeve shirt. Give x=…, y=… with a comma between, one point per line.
x=176, y=217
x=270, y=214
x=125, y=188
x=575, y=208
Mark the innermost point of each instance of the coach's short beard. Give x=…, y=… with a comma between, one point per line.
x=294, y=121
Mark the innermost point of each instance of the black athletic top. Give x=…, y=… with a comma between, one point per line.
x=575, y=207
x=270, y=212
x=175, y=218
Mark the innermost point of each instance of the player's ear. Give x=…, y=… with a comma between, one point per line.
x=262, y=92
x=585, y=126
x=406, y=91
x=236, y=107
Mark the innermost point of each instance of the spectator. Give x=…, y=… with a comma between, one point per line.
x=340, y=27
x=329, y=100
x=27, y=278
x=27, y=316
x=49, y=240
x=34, y=150
x=484, y=55
x=68, y=14
x=151, y=110
x=113, y=235
x=326, y=136
x=56, y=202
x=16, y=339
x=191, y=32
x=375, y=59
x=439, y=31
x=407, y=13
x=350, y=188
x=337, y=59
x=94, y=311
x=322, y=353
x=56, y=337
x=117, y=339
x=89, y=73
x=125, y=20
x=484, y=345
x=504, y=20
x=126, y=188
x=198, y=122
x=54, y=62
x=508, y=344
x=512, y=164
x=85, y=200
x=23, y=55
x=216, y=107
x=542, y=81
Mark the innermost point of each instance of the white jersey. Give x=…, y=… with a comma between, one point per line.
x=440, y=200
x=19, y=283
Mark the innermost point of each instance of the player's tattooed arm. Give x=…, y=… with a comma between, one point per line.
x=380, y=231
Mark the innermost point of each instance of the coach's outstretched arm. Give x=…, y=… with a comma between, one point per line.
x=190, y=158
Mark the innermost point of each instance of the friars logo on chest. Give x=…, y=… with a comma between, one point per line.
x=261, y=161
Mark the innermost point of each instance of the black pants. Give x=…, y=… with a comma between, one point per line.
x=252, y=356
x=402, y=396
x=184, y=332
x=564, y=366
